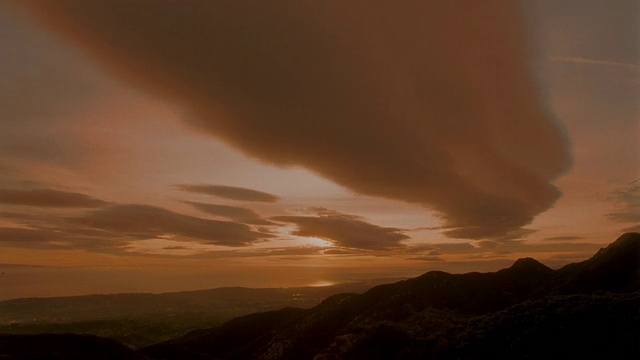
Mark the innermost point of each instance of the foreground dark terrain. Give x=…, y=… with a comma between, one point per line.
x=588, y=310
x=138, y=320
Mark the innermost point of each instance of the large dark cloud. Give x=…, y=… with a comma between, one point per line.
x=429, y=102
x=48, y=198
x=243, y=215
x=346, y=230
x=145, y=221
x=230, y=192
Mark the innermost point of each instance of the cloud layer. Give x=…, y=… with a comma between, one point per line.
x=345, y=230
x=427, y=102
x=48, y=198
x=143, y=221
x=113, y=228
x=628, y=201
x=243, y=215
x=230, y=192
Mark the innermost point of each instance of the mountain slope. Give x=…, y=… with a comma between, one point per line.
x=458, y=315
x=144, y=319
x=63, y=347
x=463, y=294
x=600, y=326
x=226, y=338
x=615, y=268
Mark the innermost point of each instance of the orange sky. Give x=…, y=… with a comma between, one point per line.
x=174, y=147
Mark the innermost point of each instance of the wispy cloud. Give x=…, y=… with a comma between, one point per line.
x=581, y=60
x=20, y=235
x=564, y=237
x=56, y=238
x=628, y=201
x=116, y=228
x=229, y=192
x=635, y=228
x=150, y=221
x=426, y=258
x=48, y=198
x=243, y=215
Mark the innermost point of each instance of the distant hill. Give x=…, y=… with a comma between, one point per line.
x=528, y=311
x=63, y=347
x=144, y=319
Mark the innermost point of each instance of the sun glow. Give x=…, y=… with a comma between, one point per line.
x=309, y=240
x=321, y=283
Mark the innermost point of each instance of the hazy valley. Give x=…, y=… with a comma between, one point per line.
x=143, y=319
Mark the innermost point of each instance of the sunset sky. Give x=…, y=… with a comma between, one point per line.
x=177, y=145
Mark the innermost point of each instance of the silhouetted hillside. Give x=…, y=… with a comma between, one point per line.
x=596, y=326
x=525, y=311
x=63, y=347
x=227, y=338
x=615, y=268
x=144, y=319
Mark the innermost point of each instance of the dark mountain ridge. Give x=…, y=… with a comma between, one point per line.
x=587, y=310
x=615, y=268
x=437, y=313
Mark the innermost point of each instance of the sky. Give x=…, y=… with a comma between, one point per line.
x=166, y=146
